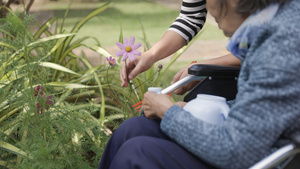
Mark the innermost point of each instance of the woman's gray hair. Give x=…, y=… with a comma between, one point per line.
x=248, y=7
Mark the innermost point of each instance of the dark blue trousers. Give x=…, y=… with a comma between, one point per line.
x=138, y=143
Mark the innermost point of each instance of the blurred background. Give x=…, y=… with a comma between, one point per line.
x=155, y=16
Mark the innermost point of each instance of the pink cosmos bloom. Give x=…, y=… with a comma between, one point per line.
x=111, y=61
x=128, y=49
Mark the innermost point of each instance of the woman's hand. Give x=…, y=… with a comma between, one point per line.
x=181, y=104
x=155, y=105
x=139, y=65
x=181, y=74
x=167, y=45
x=226, y=60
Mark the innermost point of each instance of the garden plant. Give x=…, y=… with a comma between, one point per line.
x=56, y=109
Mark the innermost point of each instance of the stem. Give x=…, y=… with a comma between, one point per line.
x=158, y=76
x=130, y=83
x=147, y=80
x=110, y=86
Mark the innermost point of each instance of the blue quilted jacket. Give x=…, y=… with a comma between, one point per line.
x=267, y=106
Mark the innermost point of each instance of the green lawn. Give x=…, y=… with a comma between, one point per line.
x=129, y=14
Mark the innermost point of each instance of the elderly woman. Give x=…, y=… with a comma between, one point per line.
x=265, y=38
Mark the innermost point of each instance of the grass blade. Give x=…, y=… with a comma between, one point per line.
x=58, y=67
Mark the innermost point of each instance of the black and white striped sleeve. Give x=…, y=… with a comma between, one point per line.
x=191, y=19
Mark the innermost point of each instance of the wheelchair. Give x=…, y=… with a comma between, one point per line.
x=222, y=81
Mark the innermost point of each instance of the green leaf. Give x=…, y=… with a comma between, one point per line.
x=12, y=148
x=7, y=33
x=59, y=36
x=7, y=45
x=4, y=163
x=58, y=67
x=91, y=15
x=44, y=27
x=99, y=50
x=70, y=85
x=84, y=20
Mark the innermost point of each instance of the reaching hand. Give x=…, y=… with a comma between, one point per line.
x=181, y=74
x=139, y=65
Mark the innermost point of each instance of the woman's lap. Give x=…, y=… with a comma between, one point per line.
x=139, y=142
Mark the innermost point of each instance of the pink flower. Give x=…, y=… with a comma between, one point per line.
x=160, y=66
x=128, y=49
x=39, y=108
x=111, y=61
x=49, y=102
x=38, y=90
x=44, y=101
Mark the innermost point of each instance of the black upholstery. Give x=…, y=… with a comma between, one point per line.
x=219, y=81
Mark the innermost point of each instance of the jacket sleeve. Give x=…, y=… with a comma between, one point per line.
x=267, y=104
x=191, y=19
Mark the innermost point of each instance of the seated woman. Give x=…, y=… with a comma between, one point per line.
x=265, y=37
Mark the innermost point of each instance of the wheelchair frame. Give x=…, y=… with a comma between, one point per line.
x=222, y=81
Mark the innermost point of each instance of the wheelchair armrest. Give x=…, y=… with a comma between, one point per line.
x=214, y=70
x=219, y=81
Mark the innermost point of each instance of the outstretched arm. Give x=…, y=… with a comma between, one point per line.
x=187, y=25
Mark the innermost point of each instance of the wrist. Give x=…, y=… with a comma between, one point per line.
x=153, y=55
x=164, y=109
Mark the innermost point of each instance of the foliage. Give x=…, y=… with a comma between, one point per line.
x=66, y=126
x=4, y=5
x=60, y=132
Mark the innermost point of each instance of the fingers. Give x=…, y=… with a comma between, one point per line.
x=182, y=90
x=137, y=70
x=123, y=75
x=133, y=68
x=155, y=105
x=126, y=69
x=148, y=108
x=180, y=103
x=177, y=76
x=182, y=73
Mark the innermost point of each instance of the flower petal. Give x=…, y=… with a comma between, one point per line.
x=126, y=43
x=137, y=45
x=49, y=102
x=125, y=55
x=120, y=53
x=131, y=56
x=136, y=52
x=112, y=62
x=131, y=41
x=121, y=46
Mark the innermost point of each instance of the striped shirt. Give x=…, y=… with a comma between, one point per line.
x=191, y=19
